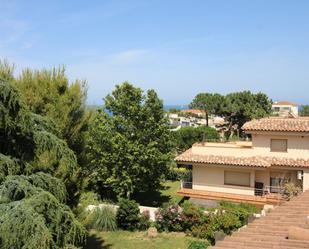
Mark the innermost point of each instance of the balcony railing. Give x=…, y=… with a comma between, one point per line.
x=266, y=190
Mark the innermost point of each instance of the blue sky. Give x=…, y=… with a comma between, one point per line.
x=179, y=48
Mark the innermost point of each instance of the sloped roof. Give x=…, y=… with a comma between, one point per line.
x=194, y=111
x=250, y=161
x=284, y=102
x=299, y=124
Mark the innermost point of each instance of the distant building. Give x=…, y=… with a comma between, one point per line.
x=285, y=109
x=196, y=112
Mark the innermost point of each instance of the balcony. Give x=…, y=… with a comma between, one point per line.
x=267, y=195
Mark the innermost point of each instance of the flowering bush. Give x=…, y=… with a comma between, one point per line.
x=169, y=218
x=192, y=215
x=144, y=222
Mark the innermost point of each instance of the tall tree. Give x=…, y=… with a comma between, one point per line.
x=240, y=107
x=209, y=102
x=129, y=144
x=32, y=209
x=50, y=94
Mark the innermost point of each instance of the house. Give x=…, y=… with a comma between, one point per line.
x=252, y=171
x=285, y=108
x=196, y=112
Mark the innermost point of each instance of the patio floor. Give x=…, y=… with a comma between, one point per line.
x=211, y=195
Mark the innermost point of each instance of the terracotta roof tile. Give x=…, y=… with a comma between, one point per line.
x=284, y=102
x=252, y=161
x=278, y=124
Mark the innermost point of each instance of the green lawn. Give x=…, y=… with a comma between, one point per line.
x=135, y=240
x=165, y=193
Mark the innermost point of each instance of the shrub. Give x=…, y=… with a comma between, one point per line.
x=197, y=244
x=290, y=190
x=127, y=216
x=226, y=222
x=192, y=215
x=169, y=219
x=102, y=219
x=243, y=211
x=144, y=222
x=203, y=231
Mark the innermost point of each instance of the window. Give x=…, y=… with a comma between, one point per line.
x=279, y=145
x=237, y=178
x=276, y=109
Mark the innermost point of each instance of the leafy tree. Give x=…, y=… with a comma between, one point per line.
x=209, y=102
x=186, y=136
x=240, y=107
x=32, y=209
x=129, y=148
x=304, y=111
x=49, y=94
x=127, y=215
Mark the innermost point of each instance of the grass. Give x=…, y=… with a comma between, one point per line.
x=135, y=240
x=166, y=193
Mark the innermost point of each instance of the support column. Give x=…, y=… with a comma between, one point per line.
x=305, y=179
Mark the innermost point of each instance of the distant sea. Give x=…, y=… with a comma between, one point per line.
x=166, y=107
x=179, y=107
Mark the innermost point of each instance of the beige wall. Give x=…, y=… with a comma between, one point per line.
x=212, y=179
x=298, y=146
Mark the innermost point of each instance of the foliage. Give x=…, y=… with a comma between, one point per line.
x=240, y=107
x=243, y=211
x=49, y=93
x=129, y=145
x=32, y=209
x=198, y=244
x=192, y=215
x=304, y=111
x=203, y=231
x=144, y=222
x=102, y=219
x=290, y=190
x=127, y=215
x=176, y=173
x=186, y=136
x=27, y=144
x=32, y=216
x=169, y=218
x=209, y=102
x=237, y=108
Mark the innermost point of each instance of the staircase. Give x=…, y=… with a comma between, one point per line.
x=271, y=231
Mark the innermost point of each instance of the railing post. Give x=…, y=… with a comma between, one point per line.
x=181, y=184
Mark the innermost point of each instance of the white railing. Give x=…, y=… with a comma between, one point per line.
x=266, y=190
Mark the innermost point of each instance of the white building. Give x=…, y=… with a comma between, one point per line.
x=285, y=108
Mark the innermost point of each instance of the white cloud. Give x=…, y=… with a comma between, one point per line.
x=130, y=56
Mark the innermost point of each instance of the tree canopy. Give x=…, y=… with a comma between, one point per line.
x=32, y=209
x=129, y=141
x=49, y=94
x=304, y=111
x=185, y=137
x=237, y=108
x=211, y=103
x=240, y=107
